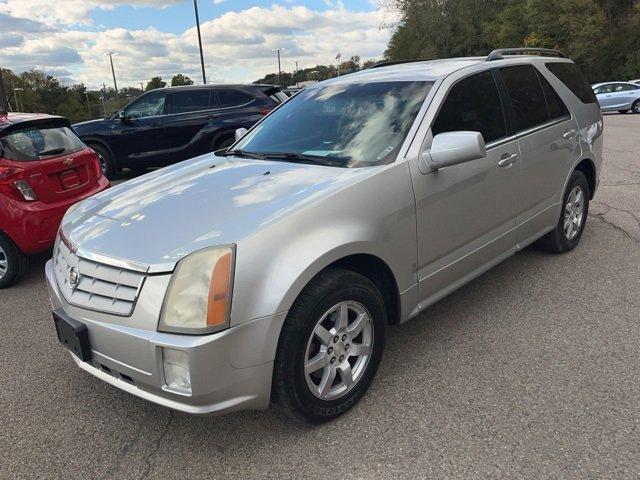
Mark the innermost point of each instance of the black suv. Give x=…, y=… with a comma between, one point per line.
x=168, y=125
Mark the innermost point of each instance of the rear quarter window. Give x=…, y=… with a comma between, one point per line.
x=574, y=80
x=34, y=143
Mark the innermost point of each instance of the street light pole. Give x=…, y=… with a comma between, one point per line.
x=113, y=72
x=278, y=50
x=195, y=7
x=141, y=87
x=19, y=104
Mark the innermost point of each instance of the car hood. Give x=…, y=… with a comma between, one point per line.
x=90, y=125
x=157, y=219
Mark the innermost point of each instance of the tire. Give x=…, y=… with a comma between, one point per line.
x=109, y=167
x=301, y=395
x=635, y=108
x=13, y=263
x=561, y=239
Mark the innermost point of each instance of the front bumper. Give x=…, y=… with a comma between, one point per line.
x=230, y=370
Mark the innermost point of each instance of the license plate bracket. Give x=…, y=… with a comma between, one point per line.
x=69, y=178
x=74, y=335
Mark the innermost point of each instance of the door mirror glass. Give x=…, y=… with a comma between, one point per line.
x=452, y=148
x=240, y=132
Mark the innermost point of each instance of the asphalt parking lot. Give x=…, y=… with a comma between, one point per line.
x=530, y=371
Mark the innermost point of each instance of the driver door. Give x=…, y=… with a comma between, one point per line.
x=139, y=134
x=466, y=213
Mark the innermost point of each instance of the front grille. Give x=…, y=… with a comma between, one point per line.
x=100, y=287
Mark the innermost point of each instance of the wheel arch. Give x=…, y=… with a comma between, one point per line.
x=93, y=140
x=587, y=167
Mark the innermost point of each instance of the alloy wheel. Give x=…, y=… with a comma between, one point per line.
x=4, y=262
x=103, y=163
x=636, y=107
x=338, y=350
x=574, y=213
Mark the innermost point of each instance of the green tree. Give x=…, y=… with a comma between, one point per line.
x=180, y=79
x=155, y=82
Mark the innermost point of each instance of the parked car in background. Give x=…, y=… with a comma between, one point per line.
x=168, y=125
x=620, y=96
x=636, y=81
x=44, y=169
x=276, y=266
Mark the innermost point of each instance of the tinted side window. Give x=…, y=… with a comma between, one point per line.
x=148, y=105
x=233, y=98
x=189, y=101
x=473, y=104
x=571, y=76
x=526, y=95
x=555, y=105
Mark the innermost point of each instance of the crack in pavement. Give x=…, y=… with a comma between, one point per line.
x=600, y=216
x=156, y=447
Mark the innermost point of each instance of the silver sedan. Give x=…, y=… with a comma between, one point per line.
x=620, y=96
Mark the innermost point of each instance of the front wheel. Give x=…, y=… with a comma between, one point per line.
x=330, y=346
x=575, y=207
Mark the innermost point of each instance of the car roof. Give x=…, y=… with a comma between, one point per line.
x=431, y=70
x=16, y=119
x=208, y=86
x=596, y=85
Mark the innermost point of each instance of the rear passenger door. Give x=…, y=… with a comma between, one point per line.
x=189, y=112
x=548, y=139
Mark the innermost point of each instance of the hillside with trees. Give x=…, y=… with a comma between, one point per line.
x=602, y=36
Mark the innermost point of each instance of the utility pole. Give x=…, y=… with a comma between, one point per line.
x=86, y=95
x=19, y=104
x=113, y=72
x=195, y=7
x=3, y=94
x=103, y=97
x=278, y=50
x=141, y=86
x=338, y=57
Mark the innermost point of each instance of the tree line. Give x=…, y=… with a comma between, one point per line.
x=35, y=91
x=601, y=36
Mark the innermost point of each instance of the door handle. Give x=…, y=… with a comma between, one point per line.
x=507, y=160
x=569, y=135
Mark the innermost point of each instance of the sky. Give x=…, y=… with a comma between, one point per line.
x=69, y=38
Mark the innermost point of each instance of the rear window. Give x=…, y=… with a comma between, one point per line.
x=571, y=76
x=555, y=106
x=526, y=95
x=233, y=98
x=190, y=101
x=34, y=143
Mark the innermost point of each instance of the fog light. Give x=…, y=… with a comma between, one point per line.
x=176, y=370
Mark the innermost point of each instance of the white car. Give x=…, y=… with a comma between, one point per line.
x=620, y=96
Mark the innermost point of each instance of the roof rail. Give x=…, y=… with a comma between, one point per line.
x=385, y=63
x=498, y=54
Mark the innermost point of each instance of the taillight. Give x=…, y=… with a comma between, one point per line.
x=97, y=168
x=265, y=110
x=13, y=184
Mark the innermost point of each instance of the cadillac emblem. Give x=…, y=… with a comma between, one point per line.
x=74, y=278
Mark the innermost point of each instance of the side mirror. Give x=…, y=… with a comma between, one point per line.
x=240, y=132
x=452, y=148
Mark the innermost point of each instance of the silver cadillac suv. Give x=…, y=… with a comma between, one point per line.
x=269, y=273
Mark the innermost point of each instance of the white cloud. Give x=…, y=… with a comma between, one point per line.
x=238, y=46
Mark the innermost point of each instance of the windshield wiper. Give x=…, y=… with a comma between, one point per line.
x=302, y=158
x=243, y=153
x=51, y=151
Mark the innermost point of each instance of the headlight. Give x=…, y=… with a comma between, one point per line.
x=198, y=299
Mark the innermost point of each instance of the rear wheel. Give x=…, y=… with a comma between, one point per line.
x=13, y=263
x=575, y=207
x=330, y=346
x=636, y=106
x=107, y=163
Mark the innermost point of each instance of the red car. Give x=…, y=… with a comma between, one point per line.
x=44, y=169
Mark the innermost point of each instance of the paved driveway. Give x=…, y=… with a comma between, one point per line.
x=532, y=370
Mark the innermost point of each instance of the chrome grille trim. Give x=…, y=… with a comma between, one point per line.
x=103, y=288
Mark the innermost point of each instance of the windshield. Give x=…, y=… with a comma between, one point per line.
x=353, y=125
x=34, y=143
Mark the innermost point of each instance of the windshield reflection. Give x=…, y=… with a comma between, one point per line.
x=355, y=125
